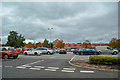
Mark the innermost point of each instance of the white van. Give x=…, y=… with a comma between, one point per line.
x=106, y=49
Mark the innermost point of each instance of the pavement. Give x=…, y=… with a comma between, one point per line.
x=50, y=66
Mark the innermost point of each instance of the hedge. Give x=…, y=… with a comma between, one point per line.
x=105, y=60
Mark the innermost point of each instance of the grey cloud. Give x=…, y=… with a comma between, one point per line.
x=73, y=22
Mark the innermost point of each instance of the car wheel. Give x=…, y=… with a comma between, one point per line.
x=15, y=57
x=100, y=52
x=5, y=56
x=81, y=53
x=48, y=52
x=95, y=53
x=25, y=53
x=36, y=53
x=114, y=53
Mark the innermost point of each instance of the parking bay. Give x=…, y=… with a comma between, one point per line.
x=49, y=66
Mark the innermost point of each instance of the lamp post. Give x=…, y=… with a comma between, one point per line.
x=50, y=35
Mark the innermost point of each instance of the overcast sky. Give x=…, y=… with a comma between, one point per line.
x=72, y=22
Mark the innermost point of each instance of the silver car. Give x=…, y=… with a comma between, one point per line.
x=45, y=50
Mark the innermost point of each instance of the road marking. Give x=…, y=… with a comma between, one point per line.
x=87, y=71
x=21, y=67
x=26, y=65
x=35, y=68
x=53, y=67
x=50, y=69
x=39, y=66
x=9, y=66
x=73, y=57
x=69, y=68
x=36, y=62
x=0, y=66
x=66, y=71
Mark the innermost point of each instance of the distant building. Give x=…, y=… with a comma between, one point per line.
x=80, y=45
x=92, y=45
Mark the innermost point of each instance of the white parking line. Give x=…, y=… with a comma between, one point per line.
x=26, y=66
x=39, y=66
x=36, y=62
x=53, y=67
x=50, y=69
x=21, y=67
x=73, y=57
x=35, y=68
x=66, y=71
x=69, y=68
x=87, y=71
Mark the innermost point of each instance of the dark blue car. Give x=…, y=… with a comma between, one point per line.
x=88, y=52
x=76, y=51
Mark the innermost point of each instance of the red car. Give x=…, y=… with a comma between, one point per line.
x=7, y=52
x=20, y=50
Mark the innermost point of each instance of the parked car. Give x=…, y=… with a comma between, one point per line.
x=76, y=51
x=45, y=50
x=7, y=52
x=88, y=52
x=117, y=49
x=32, y=51
x=20, y=50
x=57, y=50
x=72, y=50
x=68, y=49
x=63, y=51
x=106, y=49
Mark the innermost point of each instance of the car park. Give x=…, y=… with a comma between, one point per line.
x=7, y=52
x=45, y=50
x=63, y=51
x=88, y=52
x=106, y=49
x=33, y=52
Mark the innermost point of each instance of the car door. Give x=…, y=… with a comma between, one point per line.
x=29, y=51
x=109, y=50
x=44, y=50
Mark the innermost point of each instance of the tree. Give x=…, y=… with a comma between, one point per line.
x=50, y=45
x=29, y=45
x=87, y=44
x=39, y=44
x=15, y=40
x=114, y=43
x=60, y=44
x=45, y=43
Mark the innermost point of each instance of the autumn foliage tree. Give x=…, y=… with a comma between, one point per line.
x=87, y=44
x=29, y=45
x=114, y=43
x=39, y=44
x=60, y=44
